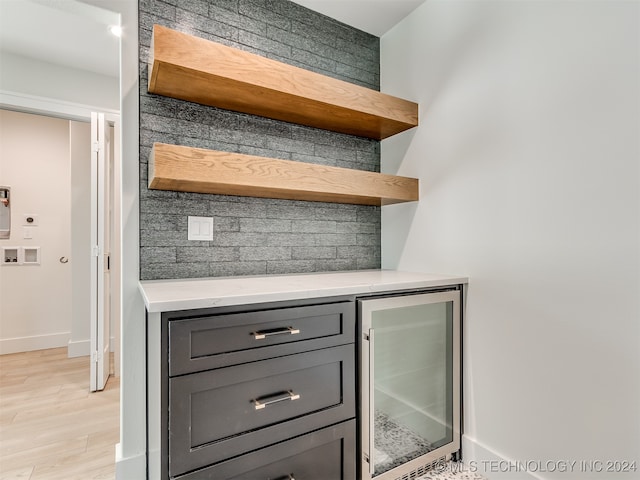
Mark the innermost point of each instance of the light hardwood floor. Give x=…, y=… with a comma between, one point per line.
x=51, y=427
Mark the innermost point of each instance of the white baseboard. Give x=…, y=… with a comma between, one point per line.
x=78, y=348
x=35, y=342
x=479, y=458
x=82, y=348
x=130, y=468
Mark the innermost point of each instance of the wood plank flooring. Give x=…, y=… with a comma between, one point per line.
x=51, y=427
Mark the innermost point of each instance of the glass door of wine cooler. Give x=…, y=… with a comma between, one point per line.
x=410, y=382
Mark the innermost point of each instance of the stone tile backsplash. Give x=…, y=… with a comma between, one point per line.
x=256, y=235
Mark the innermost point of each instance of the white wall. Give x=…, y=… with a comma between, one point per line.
x=41, y=79
x=80, y=143
x=528, y=157
x=131, y=451
x=34, y=299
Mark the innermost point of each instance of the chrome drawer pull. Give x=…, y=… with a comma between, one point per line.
x=286, y=477
x=262, y=402
x=259, y=335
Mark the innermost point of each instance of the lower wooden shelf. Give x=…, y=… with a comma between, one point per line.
x=188, y=169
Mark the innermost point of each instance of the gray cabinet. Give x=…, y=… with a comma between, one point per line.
x=323, y=455
x=264, y=392
x=217, y=339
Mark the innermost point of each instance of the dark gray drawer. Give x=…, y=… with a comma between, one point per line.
x=229, y=339
x=223, y=413
x=327, y=454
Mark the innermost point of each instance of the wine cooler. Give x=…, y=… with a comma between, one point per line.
x=409, y=383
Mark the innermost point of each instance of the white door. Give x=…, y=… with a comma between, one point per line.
x=100, y=147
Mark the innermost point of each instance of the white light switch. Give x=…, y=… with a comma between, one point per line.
x=28, y=233
x=200, y=228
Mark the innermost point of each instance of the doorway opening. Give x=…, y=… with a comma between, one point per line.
x=47, y=303
x=62, y=60
x=49, y=72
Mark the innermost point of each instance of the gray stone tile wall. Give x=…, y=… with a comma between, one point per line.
x=256, y=235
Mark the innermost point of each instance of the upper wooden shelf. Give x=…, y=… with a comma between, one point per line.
x=187, y=169
x=198, y=70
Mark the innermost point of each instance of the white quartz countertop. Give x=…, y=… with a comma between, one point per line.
x=171, y=295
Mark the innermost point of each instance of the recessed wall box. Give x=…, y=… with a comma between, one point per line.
x=20, y=255
x=11, y=256
x=31, y=255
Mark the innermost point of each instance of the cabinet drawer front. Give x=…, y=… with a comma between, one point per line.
x=222, y=413
x=229, y=339
x=328, y=454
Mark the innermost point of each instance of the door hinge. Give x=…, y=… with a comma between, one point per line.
x=95, y=251
x=95, y=147
x=95, y=356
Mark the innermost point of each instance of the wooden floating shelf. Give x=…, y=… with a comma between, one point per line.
x=197, y=70
x=187, y=169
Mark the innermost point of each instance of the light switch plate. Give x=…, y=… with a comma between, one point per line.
x=200, y=228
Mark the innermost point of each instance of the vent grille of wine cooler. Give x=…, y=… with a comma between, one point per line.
x=439, y=463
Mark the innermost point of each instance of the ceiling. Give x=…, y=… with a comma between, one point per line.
x=373, y=16
x=75, y=34
x=63, y=32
